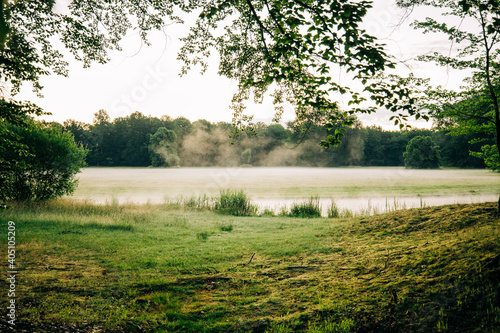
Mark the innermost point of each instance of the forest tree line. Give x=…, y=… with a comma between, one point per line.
x=138, y=140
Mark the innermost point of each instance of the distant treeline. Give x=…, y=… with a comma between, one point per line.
x=139, y=140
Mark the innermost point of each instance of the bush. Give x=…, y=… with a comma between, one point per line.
x=234, y=203
x=309, y=208
x=48, y=168
x=421, y=153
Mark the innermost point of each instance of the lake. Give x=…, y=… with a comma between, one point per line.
x=358, y=188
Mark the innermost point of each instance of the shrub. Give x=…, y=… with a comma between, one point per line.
x=48, y=166
x=234, y=203
x=309, y=208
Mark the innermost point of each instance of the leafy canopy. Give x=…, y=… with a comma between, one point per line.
x=296, y=49
x=474, y=36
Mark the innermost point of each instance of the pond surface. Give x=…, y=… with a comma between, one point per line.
x=376, y=189
x=375, y=205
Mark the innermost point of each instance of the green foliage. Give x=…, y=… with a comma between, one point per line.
x=293, y=47
x=490, y=156
x=473, y=110
x=14, y=114
x=421, y=153
x=226, y=227
x=309, y=209
x=202, y=236
x=127, y=142
x=163, y=149
x=49, y=166
x=234, y=203
x=32, y=31
x=277, y=132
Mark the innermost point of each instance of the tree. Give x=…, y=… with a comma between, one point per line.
x=28, y=47
x=48, y=168
x=162, y=149
x=132, y=137
x=101, y=141
x=296, y=48
x=277, y=132
x=475, y=109
x=421, y=153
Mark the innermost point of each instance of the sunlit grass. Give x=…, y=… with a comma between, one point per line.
x=170, y=267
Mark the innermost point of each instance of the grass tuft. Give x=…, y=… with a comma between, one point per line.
x=310, y=208
x=234, y=203
x=202, y=236
x=226, y=227
x=333, y=210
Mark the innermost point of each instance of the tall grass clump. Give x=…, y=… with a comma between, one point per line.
x=201, y=202
x=333, y=210
x=234, y=203
x=310, y=208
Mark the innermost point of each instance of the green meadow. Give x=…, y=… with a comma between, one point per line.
x=191, y=267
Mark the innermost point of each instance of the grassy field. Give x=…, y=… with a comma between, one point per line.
x=157, y=184
x=167, y=268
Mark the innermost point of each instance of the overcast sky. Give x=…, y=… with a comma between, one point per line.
x=146, y=79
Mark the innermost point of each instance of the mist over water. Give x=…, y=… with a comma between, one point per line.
x=377, y=205
x=357, y=189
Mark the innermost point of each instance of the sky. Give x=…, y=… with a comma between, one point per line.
x=146, y=79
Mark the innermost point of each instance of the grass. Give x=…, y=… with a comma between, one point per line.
x=310, y=208
x=170, y=268
x=234, y=203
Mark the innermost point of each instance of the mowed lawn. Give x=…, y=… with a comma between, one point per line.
x=167, y=268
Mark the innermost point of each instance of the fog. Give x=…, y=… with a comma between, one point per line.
x=352, y=188
x=211, y=148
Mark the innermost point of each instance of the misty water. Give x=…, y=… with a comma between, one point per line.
x=367, y=190
x=376, y=205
